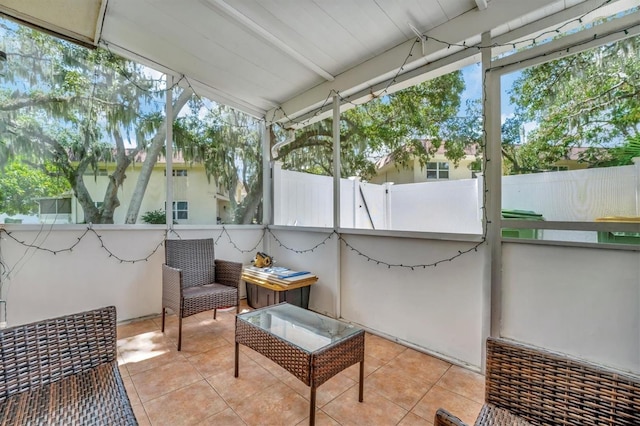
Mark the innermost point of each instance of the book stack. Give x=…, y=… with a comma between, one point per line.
x=277, y=275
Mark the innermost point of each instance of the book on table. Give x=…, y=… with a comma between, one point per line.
x=279, y=274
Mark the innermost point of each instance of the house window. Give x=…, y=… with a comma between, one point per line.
x=55, y=206
x=438, y=170
x=180, y=210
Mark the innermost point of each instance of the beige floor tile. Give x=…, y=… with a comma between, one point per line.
x=186, y=406
x=147, y=351
x=326, y=392
x=132, y=393
x=464, y=408
x=200, y=342
x=464, y=382
x=252, y=379
x=382, y=349
x=141, y=415
x=162, y=382
x=227, y=417
x=158, y=381
x=136, y=327
x=396, y=386
x=217, y=360
x=412, y=420
x=371, y=364
x=374, y=410
x=322, y=419
x=276, y=405
x=419, y=366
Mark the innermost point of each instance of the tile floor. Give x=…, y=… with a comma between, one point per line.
x=196, y=386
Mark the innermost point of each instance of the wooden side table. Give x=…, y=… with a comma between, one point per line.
x=264, y=291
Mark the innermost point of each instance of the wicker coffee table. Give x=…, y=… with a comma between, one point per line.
x=310, y=346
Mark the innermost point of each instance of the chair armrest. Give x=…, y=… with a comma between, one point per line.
x=228, y=272
x=171, y=287
x=44, y=352
x=445, y=418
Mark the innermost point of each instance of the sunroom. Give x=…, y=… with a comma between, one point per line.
x=449, y=170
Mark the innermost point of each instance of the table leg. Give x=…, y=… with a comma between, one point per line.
x=361, y=380
x=312, y=402
x=237, y=356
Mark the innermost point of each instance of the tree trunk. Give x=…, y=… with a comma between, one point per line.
x=154, y=150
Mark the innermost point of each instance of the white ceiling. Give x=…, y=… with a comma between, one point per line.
x=258, y=55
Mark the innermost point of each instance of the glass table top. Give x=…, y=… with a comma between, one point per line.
x=305, y=329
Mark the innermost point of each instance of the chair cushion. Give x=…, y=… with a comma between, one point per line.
x=206, y=297
x=95, y=397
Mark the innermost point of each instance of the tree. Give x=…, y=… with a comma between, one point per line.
x=21, y=185
x=393, y=124
x=73, y=108
x=228, y=144
x=591, y=99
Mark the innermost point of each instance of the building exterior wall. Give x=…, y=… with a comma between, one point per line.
x=202, y=196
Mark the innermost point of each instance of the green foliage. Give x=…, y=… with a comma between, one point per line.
x=156, y=217
x=590, y=100
x=392, y=124
x=228, y=144
x=74, y=108
x=21, y=185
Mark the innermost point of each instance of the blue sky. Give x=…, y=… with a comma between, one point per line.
x=472, y=75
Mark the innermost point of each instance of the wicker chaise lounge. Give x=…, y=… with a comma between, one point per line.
x=63, y=371
x=526, y=385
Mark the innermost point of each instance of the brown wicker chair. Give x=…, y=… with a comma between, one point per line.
x=63, y=371
x=193, y=281
x=526, y=385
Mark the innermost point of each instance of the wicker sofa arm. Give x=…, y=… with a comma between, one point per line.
x=47, y=351
x=228, y=272
x=445, y=418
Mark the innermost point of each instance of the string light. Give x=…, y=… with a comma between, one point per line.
x=526, y=41
x=317, y=111
x=255, y=247
x=112, y=254
x=299, y=251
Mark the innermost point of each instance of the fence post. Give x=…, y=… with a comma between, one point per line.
x=387, y=205
x=636, y=162
x=278, y=194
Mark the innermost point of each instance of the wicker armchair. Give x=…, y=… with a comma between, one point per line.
x=193, y=281
x=63, y=371
x=526, y=385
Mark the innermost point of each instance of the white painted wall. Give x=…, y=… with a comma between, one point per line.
x=581, y=301
x=43, y=285
x=322, y=262
x=437, y=308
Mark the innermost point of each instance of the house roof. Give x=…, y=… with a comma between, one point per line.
x=282, y=59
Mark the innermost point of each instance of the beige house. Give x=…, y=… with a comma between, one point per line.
x=196, y=199
x=440, y=167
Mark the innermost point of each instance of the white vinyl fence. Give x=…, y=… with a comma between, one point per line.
x=456, y=206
